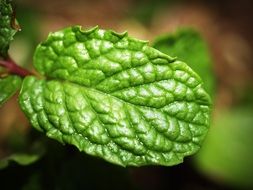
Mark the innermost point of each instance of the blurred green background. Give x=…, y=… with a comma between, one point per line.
x=31, y=161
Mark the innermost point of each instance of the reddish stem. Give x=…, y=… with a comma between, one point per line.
x=13, y=68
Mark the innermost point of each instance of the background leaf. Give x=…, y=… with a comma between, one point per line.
x=22, y=149
x=8, y=85
x=8, y=26
x=227, y=153
x=188, y=45
x=114, y=97
x=20, y=158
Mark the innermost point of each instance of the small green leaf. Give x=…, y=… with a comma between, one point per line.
x=19, y=158
x=8, y=87
x=8, y=26
x=115, y=97
x=22, y=149
x=189, y=46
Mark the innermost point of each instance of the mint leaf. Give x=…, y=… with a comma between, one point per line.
x=8, y=26
x=8, y=87
x=115, y=97
x=188, y=45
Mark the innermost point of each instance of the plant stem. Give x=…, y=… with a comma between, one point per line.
x=13, y=68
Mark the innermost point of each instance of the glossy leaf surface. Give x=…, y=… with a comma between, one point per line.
x=115, y=97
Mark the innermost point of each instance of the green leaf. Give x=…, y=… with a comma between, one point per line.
x=115, y=97
x=188, y=45
x=8, y=87
x=19, y=158
x=8, y=26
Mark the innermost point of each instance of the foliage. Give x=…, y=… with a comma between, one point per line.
x=112, y=96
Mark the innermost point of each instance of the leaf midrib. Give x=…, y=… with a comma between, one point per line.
x=125, y=102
